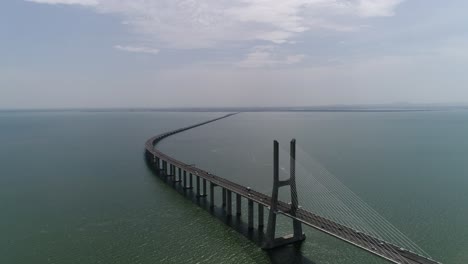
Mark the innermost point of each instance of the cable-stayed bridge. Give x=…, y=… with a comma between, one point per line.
x=374, y=234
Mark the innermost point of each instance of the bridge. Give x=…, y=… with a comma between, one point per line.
x=182, y=173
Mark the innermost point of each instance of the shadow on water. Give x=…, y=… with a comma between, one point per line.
x=290, y=254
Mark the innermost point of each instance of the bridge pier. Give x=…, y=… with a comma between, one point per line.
x=229, y=203
x=185, y=179
x=179, y=175
x=260, y=216
x=164, y=168
x=156, y=163
x=212, y=194
x=238, y=204
x=171, y=171
x=198, y=186
x=190, y=181
x=172, y=174
x=250, y=214
x=204, y=188
x=224, y=197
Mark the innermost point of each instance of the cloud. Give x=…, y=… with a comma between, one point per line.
x=137, y=49
x=67, y=2
x=370, y=8
x=228, y=24
x=192, y=24
x=266, y=56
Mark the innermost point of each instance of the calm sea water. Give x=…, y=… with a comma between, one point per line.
x=74, y=187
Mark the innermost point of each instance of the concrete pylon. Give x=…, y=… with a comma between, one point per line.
x=271, y=241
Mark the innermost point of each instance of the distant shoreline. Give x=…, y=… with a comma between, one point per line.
x=350, y=109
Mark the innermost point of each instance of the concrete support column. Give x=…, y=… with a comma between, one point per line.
x=204, y=187
x=260, y=216
x=180, y=175
x=238, y=204
x=297, y=226
x=229, y=202
x=212, y=194
x=271, y=227
x=251, y=214
x=185, y=179
x=191, y=181
x=224, y=197
x=198, y=186
x=172, y=173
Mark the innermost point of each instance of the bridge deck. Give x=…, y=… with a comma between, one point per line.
x=371, y=244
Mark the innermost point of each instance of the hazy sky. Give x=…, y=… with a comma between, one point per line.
x=162, y=53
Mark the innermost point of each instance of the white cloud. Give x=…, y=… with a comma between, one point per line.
x=137, y=49
x=369, y=8
x=210, y=23
x=265, y=56
x=193, y=24
x=67, y=2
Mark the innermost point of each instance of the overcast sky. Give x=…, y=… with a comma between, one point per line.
x=213, y=53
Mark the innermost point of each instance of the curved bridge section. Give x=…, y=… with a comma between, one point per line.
x=175, y=170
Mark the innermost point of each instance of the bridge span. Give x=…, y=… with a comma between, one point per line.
x=182, y=173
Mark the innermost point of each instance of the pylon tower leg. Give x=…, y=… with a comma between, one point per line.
x=297, y=236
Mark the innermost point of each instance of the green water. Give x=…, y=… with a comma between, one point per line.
x=74, y=187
